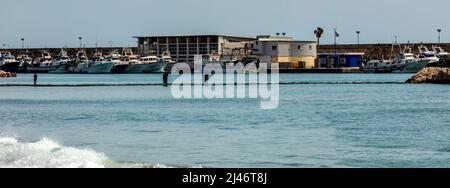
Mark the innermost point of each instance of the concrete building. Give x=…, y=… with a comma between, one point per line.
x=286, y=51
x=183, y=47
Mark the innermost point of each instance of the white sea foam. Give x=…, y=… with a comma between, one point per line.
x=46, y=153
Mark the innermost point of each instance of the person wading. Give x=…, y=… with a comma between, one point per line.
x=165, y=78
x=206, y=78
x=35, y=77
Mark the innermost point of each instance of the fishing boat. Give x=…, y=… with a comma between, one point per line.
x=25, y=61
x=153, y=64
x=43, y=64
x=62, y=59
x=134, y=65
x=118, y=66
x=79, y=64
x=8, y=62
x=99, y=65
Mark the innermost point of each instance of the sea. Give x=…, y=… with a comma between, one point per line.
x=324, y=120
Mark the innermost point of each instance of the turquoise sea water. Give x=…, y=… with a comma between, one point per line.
x=315, y=125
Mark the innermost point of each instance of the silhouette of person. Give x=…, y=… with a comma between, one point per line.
x=35, y=77
x=165, y=78
x=206, y=78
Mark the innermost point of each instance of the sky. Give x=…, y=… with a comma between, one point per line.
x=59, y=23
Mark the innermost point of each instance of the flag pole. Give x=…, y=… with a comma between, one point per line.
x=335, y=47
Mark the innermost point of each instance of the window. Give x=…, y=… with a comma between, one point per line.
x=302, y=64
x=310, y=47
x=274, y=47
x=299, y=47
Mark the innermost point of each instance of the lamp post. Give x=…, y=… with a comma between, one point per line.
x=439, y=35
x=80, y=38
x=357, y=35
x=23, y=46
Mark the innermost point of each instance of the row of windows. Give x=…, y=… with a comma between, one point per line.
x=164, y=40
x=298, y=47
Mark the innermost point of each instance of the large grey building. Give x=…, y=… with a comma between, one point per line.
x=183, y=47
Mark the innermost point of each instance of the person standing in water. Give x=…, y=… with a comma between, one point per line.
x=165, y=78
x=35, y=77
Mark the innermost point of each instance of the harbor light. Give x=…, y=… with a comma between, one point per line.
x=358, y=33
x=80, y=38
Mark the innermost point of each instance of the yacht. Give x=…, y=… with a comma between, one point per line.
x=8, y=62
x=118, y=65
x=43, y=64
x=134, y=65
x=99, y=65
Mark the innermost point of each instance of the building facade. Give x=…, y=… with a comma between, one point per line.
x=182, y=48
x=286, y=51
x=341, y=60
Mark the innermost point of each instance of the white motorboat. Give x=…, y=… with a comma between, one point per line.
x=152, y=64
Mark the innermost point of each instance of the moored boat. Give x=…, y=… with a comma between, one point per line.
x=42, y=64
x=134, y=65
x=8, y=62
x=99, y=65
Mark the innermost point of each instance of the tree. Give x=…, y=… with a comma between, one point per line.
x=318, y=32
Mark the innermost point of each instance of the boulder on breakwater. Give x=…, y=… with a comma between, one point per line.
x=432, y=75
x=4, y=74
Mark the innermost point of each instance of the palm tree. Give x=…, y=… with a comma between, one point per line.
x=318, y=32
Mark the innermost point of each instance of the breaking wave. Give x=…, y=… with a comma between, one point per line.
x=47, y=153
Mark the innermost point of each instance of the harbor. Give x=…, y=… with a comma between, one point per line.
x=224, y=84
x=157, y=54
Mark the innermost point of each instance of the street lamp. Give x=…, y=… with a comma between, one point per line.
x=439, y=35
x=23, y=46
x=357, y=33
x=79, y=38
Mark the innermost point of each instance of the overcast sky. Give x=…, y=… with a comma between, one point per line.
x=58, y=23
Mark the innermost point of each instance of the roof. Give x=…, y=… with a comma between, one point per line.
x=350, y=53
x=288, y=41
x=195, y=35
